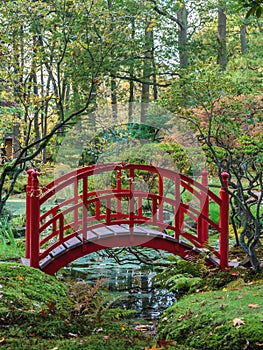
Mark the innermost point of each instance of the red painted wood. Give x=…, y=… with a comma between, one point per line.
x=28, y=206
x=114, y=214
x=34, y=220
x=202, y=225
x=224, y=221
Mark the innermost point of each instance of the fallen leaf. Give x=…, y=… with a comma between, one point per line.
x=166, y=343
x=72, y=335
x=20, y=278
x=253, y=306
x=153, y=348
x=246, y=345
x=258, y=343
x=180, y=318
x=237, y=322
x=3, y=341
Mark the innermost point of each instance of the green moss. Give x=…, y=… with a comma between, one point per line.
x=27, y=294
x=229, y=319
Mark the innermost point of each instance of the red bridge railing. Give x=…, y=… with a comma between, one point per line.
x=115, y=194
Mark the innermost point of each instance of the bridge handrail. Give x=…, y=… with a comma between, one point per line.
x=199, y=191
x=70, y=178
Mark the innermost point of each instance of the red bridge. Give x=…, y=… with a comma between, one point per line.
x=114, y=205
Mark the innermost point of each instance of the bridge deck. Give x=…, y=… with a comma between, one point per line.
x=142, y=235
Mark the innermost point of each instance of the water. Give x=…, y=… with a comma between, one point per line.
x=131, y=283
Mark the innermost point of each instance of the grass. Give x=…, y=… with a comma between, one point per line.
x=231, y=318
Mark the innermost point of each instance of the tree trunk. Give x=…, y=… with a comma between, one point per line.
x=147, y=70
x=114, y=107
x=221, y=32
x=182, y=37
x=131, y=84
x=243, y=39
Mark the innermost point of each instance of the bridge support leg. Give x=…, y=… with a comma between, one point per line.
x=33, y=218
x=28, y=214
x=224, y=222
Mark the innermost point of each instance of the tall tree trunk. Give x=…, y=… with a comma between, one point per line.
x=221, y=35
x=114, y=106
x=113, y=84
x=243, y=39
x=131, y=73
x=182, y=37
x=147, y=70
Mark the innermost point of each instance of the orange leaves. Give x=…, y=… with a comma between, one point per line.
x=20, y=278
x=153, y=348
x=161, y=345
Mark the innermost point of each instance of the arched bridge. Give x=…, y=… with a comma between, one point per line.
x=114, y=205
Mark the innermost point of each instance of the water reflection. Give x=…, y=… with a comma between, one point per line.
x=133, y=283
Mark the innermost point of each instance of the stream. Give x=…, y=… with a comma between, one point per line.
x=131, y=283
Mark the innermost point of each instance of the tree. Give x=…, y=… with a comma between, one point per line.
x=253, y=7
x=229, y=126
x=48, y=90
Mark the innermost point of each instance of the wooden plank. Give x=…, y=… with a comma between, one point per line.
x=118, y=229
x=91, y=236
x=72, y=243
x=58, y=251
x=44, y=262
x=102, y=231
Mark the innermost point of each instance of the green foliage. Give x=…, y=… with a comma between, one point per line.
x=254, y=8
x=6, y=232
x=227, y=319
x=39, y=311
x=29, y=295
x=117, y=314
x=90, y=302
x=182, y=276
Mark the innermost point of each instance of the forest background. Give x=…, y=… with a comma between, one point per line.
x=201, y=60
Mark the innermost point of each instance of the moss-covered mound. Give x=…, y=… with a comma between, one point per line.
x=28, y=296
x=226, y=319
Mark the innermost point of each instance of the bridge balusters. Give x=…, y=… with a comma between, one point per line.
x=118, y=188
x=108, y=211
x=131, y=203
x=160, y=212
x=154, y=210
x=140, y=211
x=202, y=225
x=97, y=209
x=76, y=211
x=224, y=221
x=84, y=208
x=177, y=214
x=61, y=227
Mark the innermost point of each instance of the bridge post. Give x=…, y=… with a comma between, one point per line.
x=33, y=218
x=28, y=214
x=224, y=221
x=202, y=224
